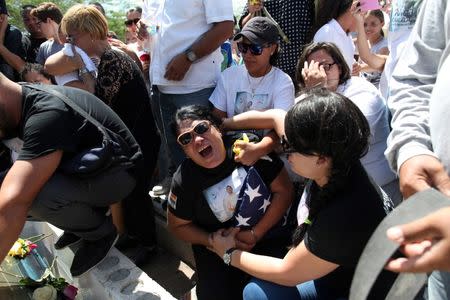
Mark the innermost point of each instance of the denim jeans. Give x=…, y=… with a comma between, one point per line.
x=258, y=289
x=164, y=107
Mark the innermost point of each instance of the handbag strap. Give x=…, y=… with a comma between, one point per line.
x=70, y=103
x=379, y=248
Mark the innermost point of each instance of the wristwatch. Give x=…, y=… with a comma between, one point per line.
x=191, y=56
x=227, y=256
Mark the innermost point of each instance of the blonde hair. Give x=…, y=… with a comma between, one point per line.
x=86, y=19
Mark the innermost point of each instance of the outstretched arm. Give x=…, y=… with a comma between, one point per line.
x=299, y=265
x=21, y=185
x=269, y=119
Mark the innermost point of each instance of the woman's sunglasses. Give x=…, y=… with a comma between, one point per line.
x=186, y=137
x=254, y=49
x=326, y=66
x=285, y=146
x=128, y=23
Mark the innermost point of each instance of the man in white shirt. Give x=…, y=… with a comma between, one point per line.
x=185, y=59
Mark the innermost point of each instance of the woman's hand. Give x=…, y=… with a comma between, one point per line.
x=76, y=58
x=247, y=154
x=314, y=74
x=245, y=240
x=356, y=69
x=222, y=240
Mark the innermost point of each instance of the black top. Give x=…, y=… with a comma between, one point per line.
x=13, y=42
x=341, y=230
x=31, y=45
x=121, y=86
x=200, y=194
x=47, y=124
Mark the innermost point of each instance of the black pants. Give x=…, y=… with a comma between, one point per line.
x=79, y=205
x=218, y=281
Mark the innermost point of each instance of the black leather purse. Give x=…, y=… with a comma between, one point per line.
x=112, y=152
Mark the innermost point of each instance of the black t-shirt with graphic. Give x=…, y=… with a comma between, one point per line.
x=208, y=196
x=341, y=230
x=47, y=124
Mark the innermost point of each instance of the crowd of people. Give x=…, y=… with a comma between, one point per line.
x=279, y=139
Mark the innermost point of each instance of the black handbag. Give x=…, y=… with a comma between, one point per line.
x=112, y=152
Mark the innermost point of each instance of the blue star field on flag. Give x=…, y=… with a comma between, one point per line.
x=253, y=200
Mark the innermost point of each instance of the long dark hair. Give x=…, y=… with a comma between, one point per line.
x=332, y=50
x=193, y=112
x=330, y=9
x=330, y=125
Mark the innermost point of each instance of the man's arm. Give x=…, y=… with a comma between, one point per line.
x=12, y=58
x=210, y=41
x=411, y=86
x=19, y=188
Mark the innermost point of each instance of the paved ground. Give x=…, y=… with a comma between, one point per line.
x=167, y=266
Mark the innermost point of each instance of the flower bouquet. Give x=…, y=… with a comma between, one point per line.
x=47, y=286
x=23, y=247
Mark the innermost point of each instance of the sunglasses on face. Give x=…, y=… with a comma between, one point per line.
x=186, y=137
x=327, y=66
x=128, y=23
x=285, y=146
x=254, y=49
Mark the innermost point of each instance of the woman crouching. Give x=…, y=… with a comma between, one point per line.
x=210, y=191
x=338, y=211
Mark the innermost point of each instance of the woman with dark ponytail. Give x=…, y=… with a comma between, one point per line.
x=338, y=211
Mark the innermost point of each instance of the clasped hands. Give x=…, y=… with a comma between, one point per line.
x=224, y=239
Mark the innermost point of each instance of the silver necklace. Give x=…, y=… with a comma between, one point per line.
x=253, y=88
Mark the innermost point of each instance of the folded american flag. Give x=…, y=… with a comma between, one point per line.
x=253, y=200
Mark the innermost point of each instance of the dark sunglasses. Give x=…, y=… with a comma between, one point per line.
x=186, y=137
x=326, y=66
x=128, y=23
x=285, y=146
x=254, y=49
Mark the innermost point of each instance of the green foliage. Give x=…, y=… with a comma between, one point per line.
x=115, y=18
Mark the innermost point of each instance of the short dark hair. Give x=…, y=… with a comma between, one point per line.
x=131, y=10
x=327, y=124
x=38, y=68
x=193, y=112
x=332, y=50
x=330, y=9
x=26, y=7
x=47, y=10
x=99, y=6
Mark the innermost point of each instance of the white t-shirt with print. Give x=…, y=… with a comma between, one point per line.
x=332, y=32
x=369, y=100
x=237, y=92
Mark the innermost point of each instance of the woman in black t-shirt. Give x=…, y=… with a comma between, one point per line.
x=210, y=191
x=338, y=211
